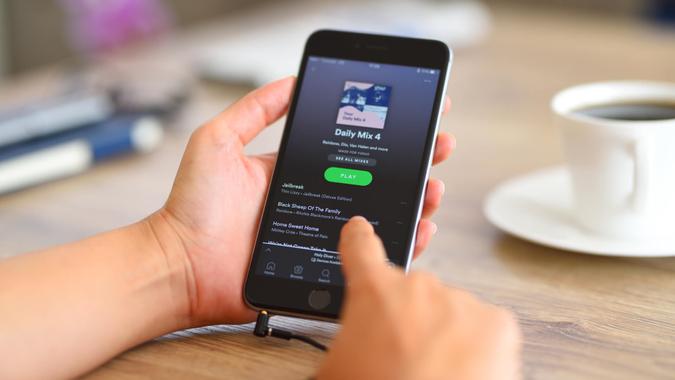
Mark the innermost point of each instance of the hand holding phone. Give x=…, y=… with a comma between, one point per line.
x=413, y=327
x=209, y=221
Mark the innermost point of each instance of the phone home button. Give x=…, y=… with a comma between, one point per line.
x=318, y=299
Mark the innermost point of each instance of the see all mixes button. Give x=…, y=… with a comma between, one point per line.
x=348, y=176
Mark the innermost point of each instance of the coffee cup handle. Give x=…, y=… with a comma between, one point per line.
x=642, y=164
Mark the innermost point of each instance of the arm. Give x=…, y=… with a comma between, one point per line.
x=67, y=309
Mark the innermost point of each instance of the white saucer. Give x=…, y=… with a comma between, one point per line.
x=537, y=207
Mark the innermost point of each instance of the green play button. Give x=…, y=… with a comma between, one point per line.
x=348, y=176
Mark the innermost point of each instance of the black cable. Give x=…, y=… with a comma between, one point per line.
x=262, y=329
x=312, y=342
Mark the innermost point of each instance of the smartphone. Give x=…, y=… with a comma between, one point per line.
x=358, y=140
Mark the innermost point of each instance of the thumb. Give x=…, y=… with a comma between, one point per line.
x=361, y=250
x=258, y=109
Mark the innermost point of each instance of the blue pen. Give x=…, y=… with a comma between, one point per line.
x=73, y=152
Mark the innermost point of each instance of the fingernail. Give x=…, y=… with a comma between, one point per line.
x=434, y=228
x=358, y=218
x=442, y=187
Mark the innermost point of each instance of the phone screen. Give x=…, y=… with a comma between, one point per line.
x=356, y=146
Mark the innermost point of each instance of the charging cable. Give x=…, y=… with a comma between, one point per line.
x=262, y=329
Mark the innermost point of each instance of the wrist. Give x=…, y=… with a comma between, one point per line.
x=175, y=268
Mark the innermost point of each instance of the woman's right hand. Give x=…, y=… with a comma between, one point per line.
x=413, y=327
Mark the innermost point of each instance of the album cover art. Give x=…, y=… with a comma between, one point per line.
x=364, y=105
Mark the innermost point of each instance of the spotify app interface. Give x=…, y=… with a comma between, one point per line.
x=355, y=147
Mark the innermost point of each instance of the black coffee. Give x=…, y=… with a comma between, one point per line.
x=649, y=111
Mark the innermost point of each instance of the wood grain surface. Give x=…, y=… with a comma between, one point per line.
x=583, y=317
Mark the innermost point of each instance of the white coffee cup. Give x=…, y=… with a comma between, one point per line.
x=622, y=171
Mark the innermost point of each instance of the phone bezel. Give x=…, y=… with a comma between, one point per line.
x=285, y=296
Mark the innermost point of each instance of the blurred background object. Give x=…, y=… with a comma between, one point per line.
x=90, y=116
x=3, y=40
x=599, y=7
x=664, y=11
x=99, y=26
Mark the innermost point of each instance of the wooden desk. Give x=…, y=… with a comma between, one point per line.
x=582, y=316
